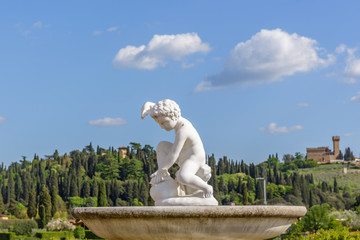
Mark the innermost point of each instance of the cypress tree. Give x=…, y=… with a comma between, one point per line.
x=86, y=188
x=270, y=194
x=259, y=191
x=144, y=195
x=18, y=188
x=102, y=199
x=31, y=211
x=45, y=201
x=53, y=202
x=2, y=207
x=95, y=188
x=242, y=166
x=250, y=185
x=74, y=190
x=54, y=184
x=311, y=199
x=43, y=218
x=129, y=192
x=296, y=185
x=26, y=178
x=222, y=186
x=221, y=167
x=42, y=172
x=239, y=186
x=324, y=187
x=245, y=194
x=336, y=187
x=11, y=187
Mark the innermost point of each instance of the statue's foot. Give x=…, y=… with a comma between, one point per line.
x=208, y=192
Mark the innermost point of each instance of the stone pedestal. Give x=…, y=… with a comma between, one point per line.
x=189, y=222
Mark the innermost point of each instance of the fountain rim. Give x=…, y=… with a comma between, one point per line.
x=272, y=211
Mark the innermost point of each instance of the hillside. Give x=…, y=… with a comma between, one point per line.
x=327, y=173
x=49, y=188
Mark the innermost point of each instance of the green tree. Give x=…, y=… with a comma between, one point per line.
x=108, y=167
x=54, y=184
x=102, y=199
x=2, y=207
x=144, y=193
x=18, y=188
x=245, y=194
x=53, y=202
x=86, y=188
x=45, y=201
x=316, y=218
x=11, y=186
x=79, y=232
x=348, y=156
x=336, y=187
x=13, y=209
x=31, y=211
x=26, y=178
x=259, y=190
x=43, y=218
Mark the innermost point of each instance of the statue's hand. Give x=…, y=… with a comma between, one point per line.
x=159, y=176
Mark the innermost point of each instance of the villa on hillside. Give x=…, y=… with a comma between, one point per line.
x=324, y=154
x=123, y=151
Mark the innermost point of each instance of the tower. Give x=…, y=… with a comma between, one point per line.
x=336, y=149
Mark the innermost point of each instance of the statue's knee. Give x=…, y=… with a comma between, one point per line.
x=163, y=146
x=183, y=178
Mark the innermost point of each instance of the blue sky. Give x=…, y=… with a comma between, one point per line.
x=254, y=77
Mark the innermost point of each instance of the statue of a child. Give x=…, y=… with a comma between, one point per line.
x=187, y=150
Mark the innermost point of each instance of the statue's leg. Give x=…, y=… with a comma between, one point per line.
x=187, y=177
x=162, y=151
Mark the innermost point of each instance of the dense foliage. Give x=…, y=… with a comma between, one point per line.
x=47, y=189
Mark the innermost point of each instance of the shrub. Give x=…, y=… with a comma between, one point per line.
x=90, y=235
x=334, y=234
x=24, y=227
x=59, y=225
x=7, y=236
x=68, y=235
x=5, y=224
x=79, y=232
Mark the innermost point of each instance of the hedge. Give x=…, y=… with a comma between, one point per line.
x=7, y=236
x=55, y=235
x=90, y=235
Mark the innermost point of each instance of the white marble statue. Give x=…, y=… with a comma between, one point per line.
x=190, y=186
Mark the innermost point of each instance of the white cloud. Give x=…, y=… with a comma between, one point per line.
x=340, y=49
x=158, y=50
x=38, y=24
x=303, y=104
x=355, y=98
x=268, y=56
x=352, y=68
x=108, y=122
x=112, y=29
x=274, y=129
x=95, y=33
x=349, y=134
x=2, y=119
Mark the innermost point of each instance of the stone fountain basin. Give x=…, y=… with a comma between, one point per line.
x=189, y=222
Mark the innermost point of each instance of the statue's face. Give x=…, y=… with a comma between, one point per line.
x=165, y=122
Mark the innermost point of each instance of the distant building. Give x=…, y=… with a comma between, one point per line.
x=4, y=217
x=324, y=154
x=123, y=151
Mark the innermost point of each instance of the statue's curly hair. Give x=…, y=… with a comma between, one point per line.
x=166, y=108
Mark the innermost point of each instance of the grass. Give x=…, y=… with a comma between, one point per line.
x=328, y=172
